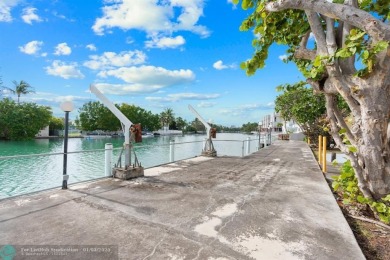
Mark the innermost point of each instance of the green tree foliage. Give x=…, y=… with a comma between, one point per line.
x=148, y=120
x=20, y=88
x=298, y=103
x=95, y=116
x=347, y=185
x=166, y=117
x=349, y=58
x=56, y=123
x=22, y=121
x=197, y=125
x=181, y=124
x=1, y=85
x=249, y=127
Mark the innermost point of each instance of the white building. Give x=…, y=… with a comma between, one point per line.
x=43, y=132
x=277, y=124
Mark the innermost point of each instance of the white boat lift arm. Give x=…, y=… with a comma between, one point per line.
x=208, y=149
x=208, y=127
x=124, y=120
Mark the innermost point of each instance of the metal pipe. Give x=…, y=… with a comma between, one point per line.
x=108, y=159
x=65, y=176
x=171, y=151
x=319, y=149
x=248, y=147
x=324, y=144
x=124, y=120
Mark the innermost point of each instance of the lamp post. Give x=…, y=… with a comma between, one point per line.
x=269, y=132
x=67, y=107
x=260, y=125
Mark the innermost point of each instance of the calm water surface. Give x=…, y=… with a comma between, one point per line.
x=25, y=175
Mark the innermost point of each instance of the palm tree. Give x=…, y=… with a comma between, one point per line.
x=20, y=88
x=166, y=117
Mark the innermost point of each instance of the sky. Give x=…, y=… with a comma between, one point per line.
x=155, y=54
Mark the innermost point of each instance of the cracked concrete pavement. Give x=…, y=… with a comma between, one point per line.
x=273, y=204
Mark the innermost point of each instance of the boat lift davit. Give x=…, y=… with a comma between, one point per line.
x=208, y=149
x=130, y=169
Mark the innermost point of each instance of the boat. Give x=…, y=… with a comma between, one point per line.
x=96, y=136
x=147, y=135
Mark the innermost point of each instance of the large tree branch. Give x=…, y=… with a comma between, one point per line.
x=325, y=88
x=342, y=124
x=303, y=52
x=334, y=128
x=330, y=105
x=341, y=83
x=377, y=29
x=330, y=36
x=316, y=28
x=347, y=65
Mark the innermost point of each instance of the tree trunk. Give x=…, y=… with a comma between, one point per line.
x=374, y=156
x=372, y=159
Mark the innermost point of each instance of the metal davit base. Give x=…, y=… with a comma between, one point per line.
x=129, y=173
x=209, y=150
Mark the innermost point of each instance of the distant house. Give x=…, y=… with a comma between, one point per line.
x=43, y=132
x=275, y=121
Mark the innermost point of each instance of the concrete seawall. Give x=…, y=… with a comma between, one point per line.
x=273, y=204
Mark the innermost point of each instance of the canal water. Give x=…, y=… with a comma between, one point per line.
x=29, y=174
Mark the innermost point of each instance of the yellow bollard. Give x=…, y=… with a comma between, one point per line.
x=308, y=140
x=324, y=143
x=319, y=149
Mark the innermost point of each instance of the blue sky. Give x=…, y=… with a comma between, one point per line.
x=155, y=54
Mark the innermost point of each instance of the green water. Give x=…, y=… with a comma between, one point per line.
x=25, y=175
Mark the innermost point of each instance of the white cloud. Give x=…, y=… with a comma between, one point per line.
x=64, y=70
x=245, y=109
x=183, y=96
x=165, y=42
x=150, y=75
x=129, y=40
x=62, y=49
x=61, y=16
x=283, y=57
x=152, y=16
x=143, y=79
x=45, y=97
x=5, y=9
x=29, y=15
x=204, y=104
x=218, y=65
x=125, y=89
x=91, y=47
x=31, y=48
x=109, y=60
x=231, y=2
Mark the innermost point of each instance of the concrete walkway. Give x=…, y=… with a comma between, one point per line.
x=274, y=204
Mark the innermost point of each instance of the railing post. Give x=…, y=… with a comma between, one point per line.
x=324, y=144
x=171, y=150
x=65, y=176
x=319, y=149
x=248, y=147
x=265, y=139
x=108, y=159
x=242, y=149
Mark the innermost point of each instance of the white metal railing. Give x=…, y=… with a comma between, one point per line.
x=245, y=143
x=251, y=145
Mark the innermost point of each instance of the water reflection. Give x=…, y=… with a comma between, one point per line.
x=24, y=175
